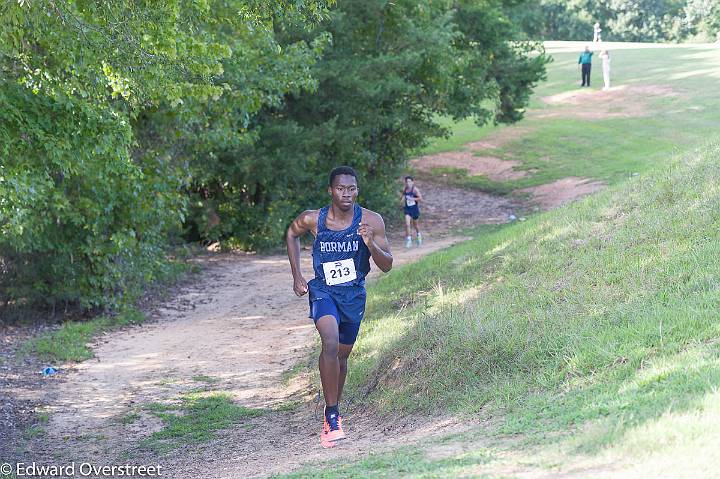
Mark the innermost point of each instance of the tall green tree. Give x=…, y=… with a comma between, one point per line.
x=101, y=106
x=645, y=20
x=702, y=18
x=392, y=69
x=621, y=20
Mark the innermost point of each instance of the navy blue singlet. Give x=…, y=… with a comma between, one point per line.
x=333, y=246
x=410, y=197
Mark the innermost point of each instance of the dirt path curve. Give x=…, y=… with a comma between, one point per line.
x=239, y=327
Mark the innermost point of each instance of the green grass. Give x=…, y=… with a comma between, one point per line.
x=195, y=419
x=605, y=149
x=129, y=418
x=462, y=132
x=37, y=429
x=409, y=462
x=33, y=432
x=205, y=379
x=561, y=296
x=460, y=177
x=69, y=342
x=292, y=372
x=598, y=320
x=289, y=406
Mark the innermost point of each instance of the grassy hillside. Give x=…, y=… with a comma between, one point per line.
x=590, y=331
x=574, y=300
x=598, y=321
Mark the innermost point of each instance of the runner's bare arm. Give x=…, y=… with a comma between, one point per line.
x=306, y=221
x=418, y=196
x=372, y=230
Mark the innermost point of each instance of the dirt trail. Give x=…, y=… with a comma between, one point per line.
x=236, y=329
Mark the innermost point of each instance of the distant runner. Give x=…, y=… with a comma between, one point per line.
x=410, y=198
x=346, y=236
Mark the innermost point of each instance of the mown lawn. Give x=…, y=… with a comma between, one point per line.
x=609, y=149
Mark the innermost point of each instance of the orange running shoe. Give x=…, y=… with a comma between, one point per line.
x=326, y=426
x=332, y=429
x=325, y=443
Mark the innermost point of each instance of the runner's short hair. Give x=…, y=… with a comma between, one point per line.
x=409, y=178
x=341, y=170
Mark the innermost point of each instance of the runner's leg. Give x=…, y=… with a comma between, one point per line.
x=329, y=365
x=328, y=362
x=416, y=225
x=343, y=354
x=408, y=238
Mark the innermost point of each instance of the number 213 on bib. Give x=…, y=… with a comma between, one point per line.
x=339, y=272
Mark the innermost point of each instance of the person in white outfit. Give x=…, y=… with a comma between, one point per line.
x=605, y=55
x=597, y=36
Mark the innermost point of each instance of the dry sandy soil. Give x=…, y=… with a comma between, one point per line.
x=560, y=192
x=623, y=101
x=474, y=158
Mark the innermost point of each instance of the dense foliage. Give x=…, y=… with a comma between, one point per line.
x=392, y=68
x=127, y=125
x=622, y=20
x=101, y=106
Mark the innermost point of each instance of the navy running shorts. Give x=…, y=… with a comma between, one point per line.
x=345, y=303
x=412, y=211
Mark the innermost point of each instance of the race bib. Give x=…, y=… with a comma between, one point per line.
x=339, y=272
x=410, y=200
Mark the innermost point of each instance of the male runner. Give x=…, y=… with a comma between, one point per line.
x=346, y=236
x=410, y=198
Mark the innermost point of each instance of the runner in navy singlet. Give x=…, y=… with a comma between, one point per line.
x=410, y=198
x=346, y=237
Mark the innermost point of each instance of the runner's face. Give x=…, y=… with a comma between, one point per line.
x=409, y=183
x=344, y=191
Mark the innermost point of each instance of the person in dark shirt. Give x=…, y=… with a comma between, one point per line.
x=346, y=237
x=585, y=62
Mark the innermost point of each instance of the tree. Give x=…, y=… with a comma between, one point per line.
x=702, y=18
x=91, y=182
x=392, y=68
x=646, y=20
x=621, y=20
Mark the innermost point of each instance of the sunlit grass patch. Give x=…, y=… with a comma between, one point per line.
x=642, y=134
x=195, y=418
x=69, y=342
x=404, y=462
x=203, y=378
